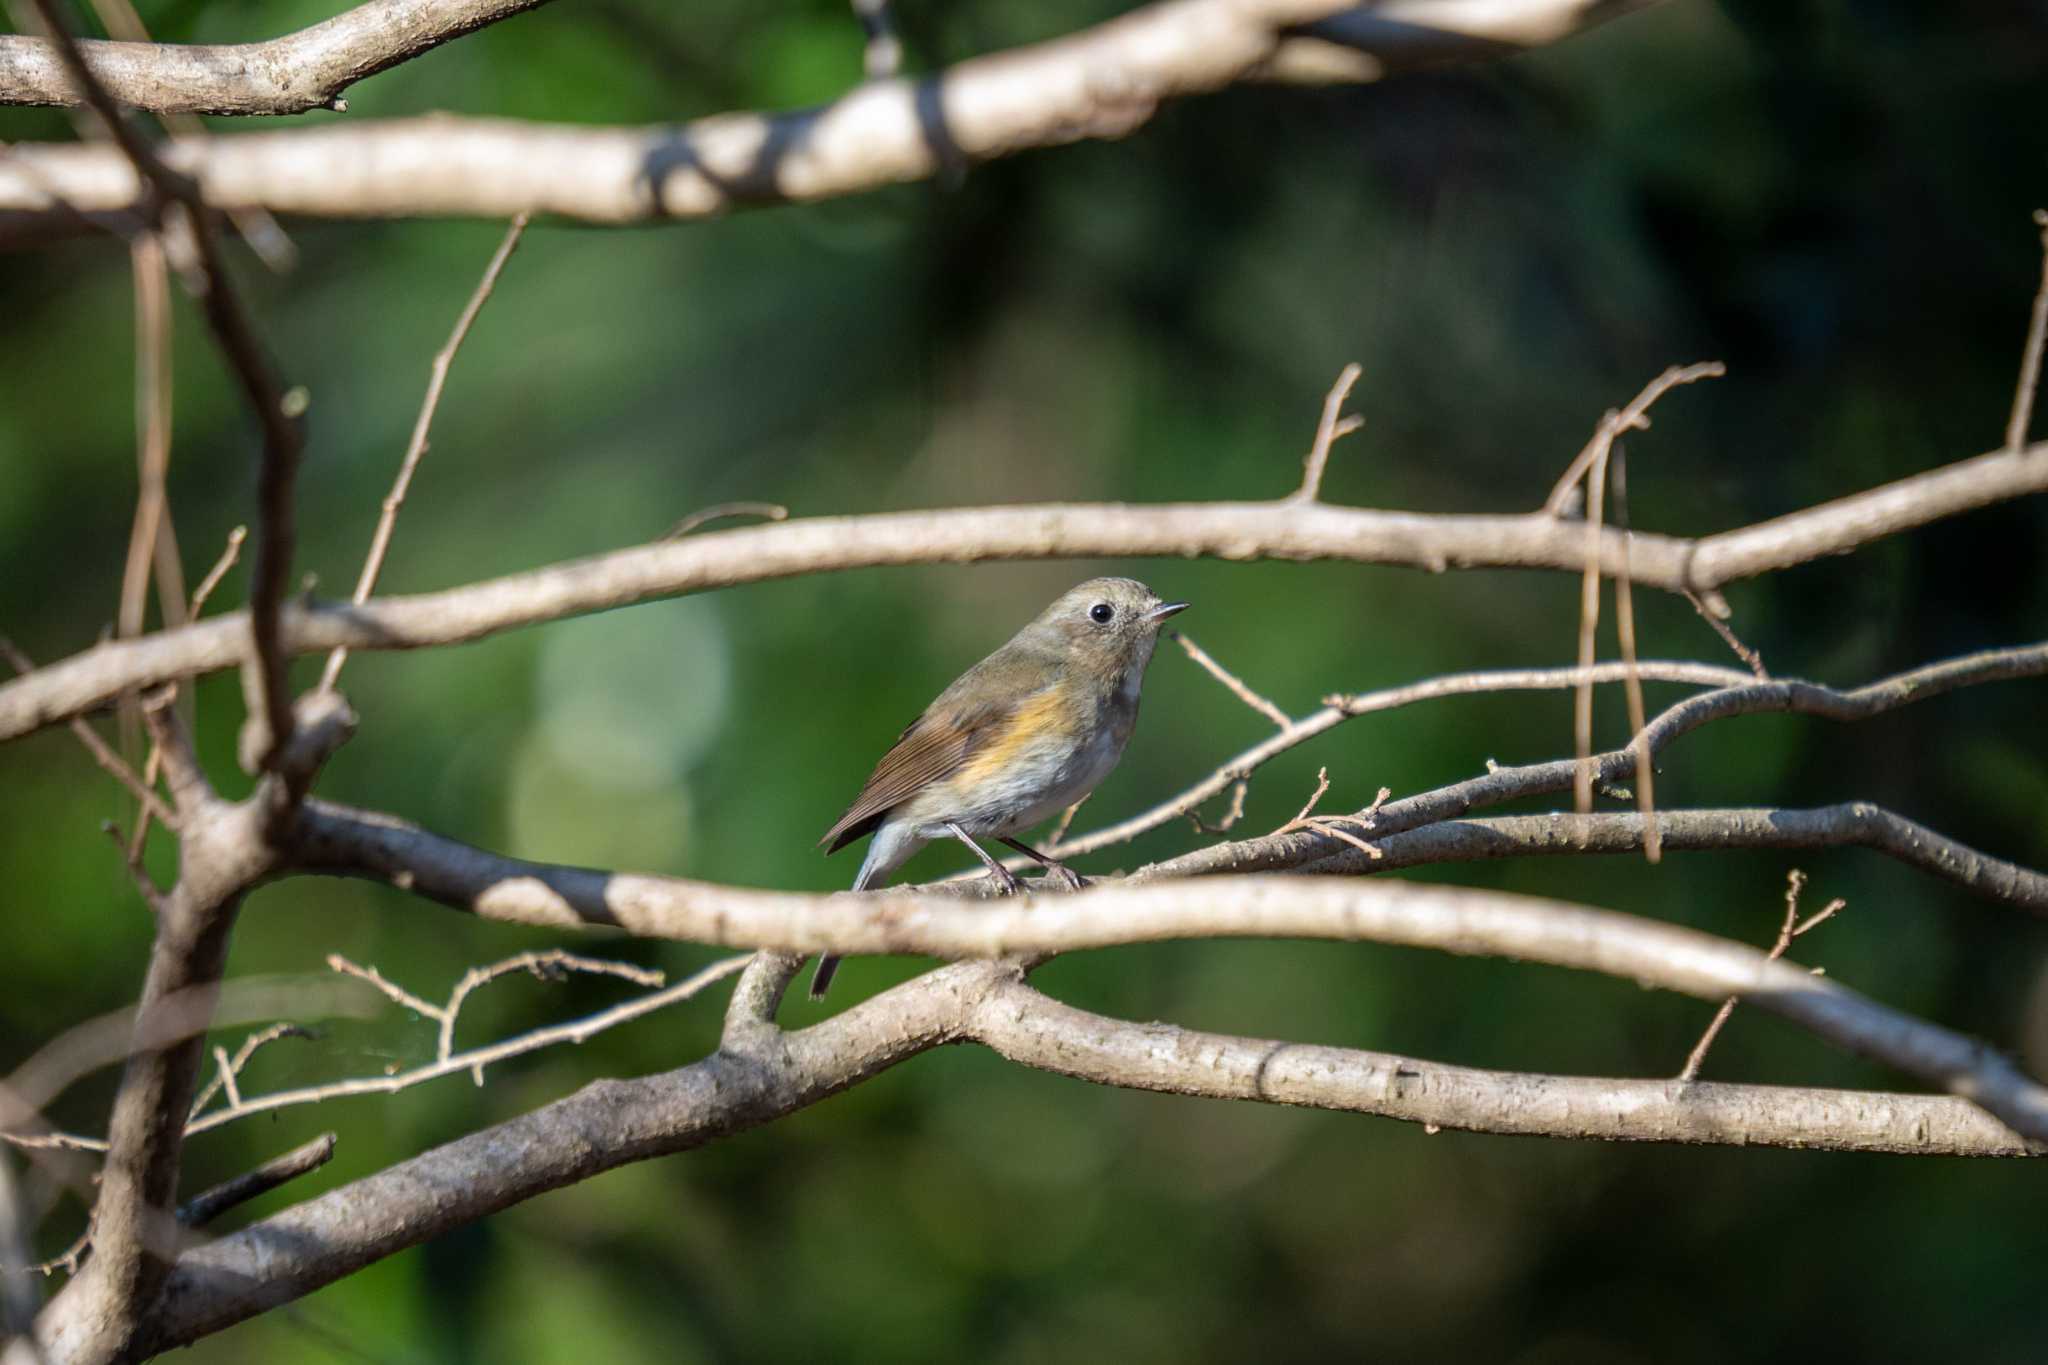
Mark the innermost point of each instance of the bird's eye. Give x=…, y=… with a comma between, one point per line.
x=1101, y=613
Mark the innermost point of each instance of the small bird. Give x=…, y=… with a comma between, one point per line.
x=1026, y=732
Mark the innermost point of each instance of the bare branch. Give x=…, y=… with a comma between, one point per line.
x=549, y=963
x=473, y=1060
x=764, y=1073
x=229, y=1069
x=1328, y=431
x=1052, y=531
x=112, y=763
x=1854, y=824
x=605, y=1125
x=1100, y=82
x=204, y=1207
x=174, y=193
x=1634, y=417
x=387, y=520
x=1026, y=1027
x=1728, y=637
x=1795, y=881
x=1333, y=825
x=254, y=225
x=1308, y=851
x=1232, y=813
x=1338, y=709
x=154, y=764
x=1632, y=680
x=1230, y=680
x=2030, y=358
x=305, y=70
x=1447, y=918
x=150, y=541
x=1589, y=612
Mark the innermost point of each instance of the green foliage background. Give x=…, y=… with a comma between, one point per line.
x=1832, y=197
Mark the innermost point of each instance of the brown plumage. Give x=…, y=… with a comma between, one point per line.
x=1026, y=732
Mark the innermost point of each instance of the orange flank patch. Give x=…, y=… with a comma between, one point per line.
x=1044, y=716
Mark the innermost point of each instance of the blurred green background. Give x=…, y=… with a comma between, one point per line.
x=1831, y=197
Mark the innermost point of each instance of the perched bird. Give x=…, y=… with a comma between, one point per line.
x=1023, y=734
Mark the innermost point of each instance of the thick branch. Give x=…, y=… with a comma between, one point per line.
x=1102, y=82
x=1446, y=918
x=1237, y=531
x=762, y=1074
x=304, y=70
x=1036, y=1031
x=606, y=1124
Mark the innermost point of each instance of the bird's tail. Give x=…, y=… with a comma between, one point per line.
x=886, y=852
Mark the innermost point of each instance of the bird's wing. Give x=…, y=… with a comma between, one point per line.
x=931, y=750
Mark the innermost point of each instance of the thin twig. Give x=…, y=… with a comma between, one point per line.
x=2030, y=358
x=1328, y=431
x=1632, y=682
x=1333, y=825
x=1059, y=830
x=204, y=1207
x=67, y=1260
x=179, y=203
x=1591, y=465
x=153, y=449
x=1728, y=636
x=116, y=766
x=154, y=764
x=476, y=1059
x=209, y=1204
x=549, y=964
x=218, y=571
x=396, y=993
x=1230, y=680
x=437, y=379
x=1342, y=707
x=229, y=1069
x=1232, y=813
x=766, y=511
x=1634, y=417
x=1793, y=927
x=1589, y=620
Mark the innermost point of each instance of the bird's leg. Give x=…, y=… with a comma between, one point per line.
x=1006, y=883
x=1059, y=873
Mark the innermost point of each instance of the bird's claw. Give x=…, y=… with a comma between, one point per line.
x=1064, y=877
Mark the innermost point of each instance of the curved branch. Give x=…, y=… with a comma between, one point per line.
x=1447, y=918
x=606, y=1124
x=1853, y=824
x=762, y=1073
x=1236, y=531
x=1034, y=1030
x=1308, y=850
x=1338, y=709
x=1102, y=82
x=289, y=75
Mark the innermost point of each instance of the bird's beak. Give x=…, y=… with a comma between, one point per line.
x=1164, y=610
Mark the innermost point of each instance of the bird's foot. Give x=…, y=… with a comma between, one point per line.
x=1064, y=877
x=1003, y=880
